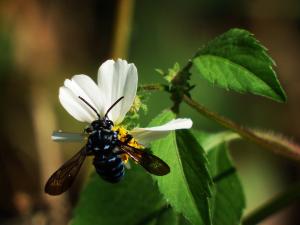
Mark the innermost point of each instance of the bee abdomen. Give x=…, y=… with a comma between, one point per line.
x=111, y=168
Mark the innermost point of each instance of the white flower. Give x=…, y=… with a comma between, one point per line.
x=115, y=79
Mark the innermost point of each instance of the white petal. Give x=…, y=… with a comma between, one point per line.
x=117, y=79
x=92, y=90
x=75, y=106
x=85, y=87
x=60, y=136
x=146, y=135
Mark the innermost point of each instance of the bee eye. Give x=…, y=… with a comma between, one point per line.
x=110, y=123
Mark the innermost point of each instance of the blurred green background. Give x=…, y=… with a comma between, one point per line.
x=44, y=42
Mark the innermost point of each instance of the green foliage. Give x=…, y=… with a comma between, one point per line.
x=172, y=72
x=138, y=107
x=236, y=60
x=128, y=202
x=169, y=217
x=228, y=199
x=188, y=186
x=178, y=83
x=210, y=141
x=203, y=187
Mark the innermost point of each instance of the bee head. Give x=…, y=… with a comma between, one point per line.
x=104, y=123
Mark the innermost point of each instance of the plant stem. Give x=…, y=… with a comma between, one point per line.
x=152, y=87
x=292, y=194
x=273, y=145
x=276, y=145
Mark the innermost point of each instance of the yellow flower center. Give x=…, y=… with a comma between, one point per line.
x=124, y=136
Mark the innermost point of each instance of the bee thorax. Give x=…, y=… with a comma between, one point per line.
x=101, y=140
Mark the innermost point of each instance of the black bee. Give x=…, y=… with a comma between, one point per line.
x=108, y=150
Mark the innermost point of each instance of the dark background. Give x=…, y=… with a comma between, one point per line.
x=44, y=42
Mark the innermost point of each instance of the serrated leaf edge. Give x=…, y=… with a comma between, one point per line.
x=230, y=62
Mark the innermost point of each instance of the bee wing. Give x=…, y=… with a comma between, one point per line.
x=151, y=163
x=62, y=179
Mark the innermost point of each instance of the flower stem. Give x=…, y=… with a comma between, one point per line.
x=273, y=145
x=276, y=145
x=292, y=194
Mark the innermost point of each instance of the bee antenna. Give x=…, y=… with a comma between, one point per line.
x=113, y=105
x=82, y=99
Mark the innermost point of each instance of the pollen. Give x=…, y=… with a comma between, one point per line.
x=124, y=158
x=125, y=137
x=136, y=105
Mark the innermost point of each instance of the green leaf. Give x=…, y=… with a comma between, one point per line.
x=169, y=217
x=236, y=60
x=187, y=187
x=228, y=198
x=129, y=202
x=210, y=141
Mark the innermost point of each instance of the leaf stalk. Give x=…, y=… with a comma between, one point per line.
x=274, y=145
x=248, y=134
